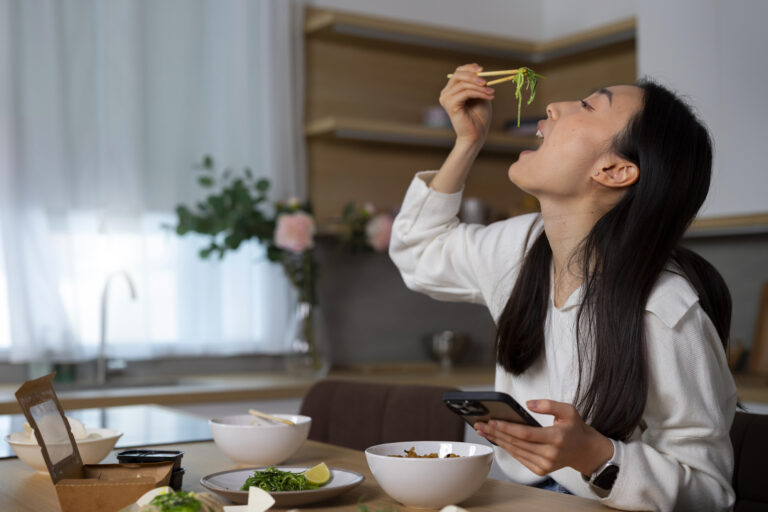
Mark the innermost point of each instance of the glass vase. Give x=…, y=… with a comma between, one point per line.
x=308, y=353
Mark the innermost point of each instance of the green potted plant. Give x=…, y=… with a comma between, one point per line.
x=237, y=210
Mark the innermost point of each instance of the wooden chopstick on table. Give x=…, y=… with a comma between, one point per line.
x=269, y=417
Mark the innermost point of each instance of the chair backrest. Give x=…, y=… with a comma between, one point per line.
x=749, y=435
x=361, y=414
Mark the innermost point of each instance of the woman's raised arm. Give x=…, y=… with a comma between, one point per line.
x=467, y=101
x=435, y=253
x=452, y=261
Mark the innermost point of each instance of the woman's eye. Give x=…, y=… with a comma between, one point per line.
x=586, y=105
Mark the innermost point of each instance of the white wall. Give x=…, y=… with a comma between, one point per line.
x=565, y=17
x=516, y=19
x=714, y=51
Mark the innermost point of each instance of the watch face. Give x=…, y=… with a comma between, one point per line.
x=606, y=478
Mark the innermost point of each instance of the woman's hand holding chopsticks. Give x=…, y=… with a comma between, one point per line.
x=524, y=78
x=466, y=98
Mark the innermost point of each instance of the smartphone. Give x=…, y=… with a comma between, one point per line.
x=476, y=406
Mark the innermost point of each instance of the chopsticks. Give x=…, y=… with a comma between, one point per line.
x=511, y=72
x=506, y=79
x=525, y=78
x=495, y=73
x=266, y=416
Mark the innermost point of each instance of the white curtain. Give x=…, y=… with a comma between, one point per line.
x=105, y=106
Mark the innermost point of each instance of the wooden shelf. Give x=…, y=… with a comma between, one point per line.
x=336, y=25
x=407, y=133
x=369, y=81
x=756, y=223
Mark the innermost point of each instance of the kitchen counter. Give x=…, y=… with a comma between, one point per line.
x=256, y=386
x=752, y=388
x=266, y=386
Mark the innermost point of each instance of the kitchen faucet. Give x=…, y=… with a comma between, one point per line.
x=101, y=362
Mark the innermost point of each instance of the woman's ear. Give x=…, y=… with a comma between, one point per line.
x=617, y=174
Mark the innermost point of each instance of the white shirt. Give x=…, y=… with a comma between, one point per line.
x=683, y=460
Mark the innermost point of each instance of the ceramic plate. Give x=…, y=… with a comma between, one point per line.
x=227, y=485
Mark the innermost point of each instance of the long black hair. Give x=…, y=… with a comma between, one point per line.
x=621, y=259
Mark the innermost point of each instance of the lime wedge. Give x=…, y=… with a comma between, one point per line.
x=318, y=475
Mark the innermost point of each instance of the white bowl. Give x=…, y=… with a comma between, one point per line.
x=253, y=441
x=92, y=450
x=430, y=483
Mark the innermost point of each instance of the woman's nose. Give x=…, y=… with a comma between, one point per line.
x=552, y=111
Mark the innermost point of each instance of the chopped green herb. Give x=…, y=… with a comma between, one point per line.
x=181, y=501
x=274, y=480
x=525, y=78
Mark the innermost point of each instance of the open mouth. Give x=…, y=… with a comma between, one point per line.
x=540, y=136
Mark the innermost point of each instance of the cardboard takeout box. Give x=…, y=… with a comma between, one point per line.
x=82, y=488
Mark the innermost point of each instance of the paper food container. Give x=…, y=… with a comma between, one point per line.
x=89, y=487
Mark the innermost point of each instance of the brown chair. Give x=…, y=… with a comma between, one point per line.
x=749, y=435
x=361, y=414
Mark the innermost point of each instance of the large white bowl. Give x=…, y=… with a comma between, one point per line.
x=92, y=450
x=253, y=441
x=430, y=483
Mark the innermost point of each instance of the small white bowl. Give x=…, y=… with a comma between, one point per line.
x=92, y=450
x=430, y=483
x=253, y=441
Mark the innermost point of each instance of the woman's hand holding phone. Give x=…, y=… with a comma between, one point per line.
x=569, y=442
x=467, y=100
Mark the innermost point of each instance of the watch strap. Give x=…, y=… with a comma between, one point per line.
x=605, y=476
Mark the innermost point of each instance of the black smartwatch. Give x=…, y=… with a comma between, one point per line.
x=606, y=475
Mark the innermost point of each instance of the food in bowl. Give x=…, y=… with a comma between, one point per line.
x=275, y=480
x=76, y=426
x=254, y=441
x=183, y=501
x=93, y=444
x=411, y=454
x=430, y=482
x=165, y=499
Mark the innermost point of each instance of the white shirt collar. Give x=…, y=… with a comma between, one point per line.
x=670, y=299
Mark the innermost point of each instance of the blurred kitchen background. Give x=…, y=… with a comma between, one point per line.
x=108, y=108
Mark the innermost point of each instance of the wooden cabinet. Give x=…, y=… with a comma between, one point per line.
x=370, y=80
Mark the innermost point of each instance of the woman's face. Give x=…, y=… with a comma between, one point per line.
x=576, y=142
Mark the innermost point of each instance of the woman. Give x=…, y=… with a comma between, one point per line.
x=611, y=333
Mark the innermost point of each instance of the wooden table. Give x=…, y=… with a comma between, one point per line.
x=22, y=490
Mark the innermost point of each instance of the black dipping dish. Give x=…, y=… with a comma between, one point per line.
x=139, y=456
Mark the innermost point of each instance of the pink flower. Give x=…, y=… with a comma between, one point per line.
x=378, y=231
x=295, y=232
